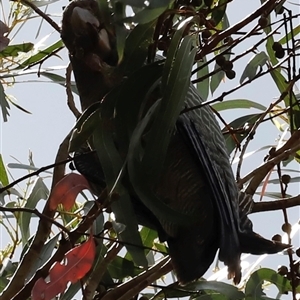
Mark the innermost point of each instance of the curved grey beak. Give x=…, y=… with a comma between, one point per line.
x=79, y=20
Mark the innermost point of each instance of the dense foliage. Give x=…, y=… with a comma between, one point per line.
x=198, y=39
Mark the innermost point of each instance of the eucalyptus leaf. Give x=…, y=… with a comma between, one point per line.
x=4, y=103
x=149, y=4
x=121, y=268
x=59, y=80
x=136, y=47
x=112, y=165
x=250, y=71
x=237, y=103
x=24, y=167
x=240, y=122
x=203, y=85
x=14, y=50
x=84, y=128
x=3, y=174
x=44, y=255
x=216, y=79
x=41, y=55
x=287, y=38
x=219, y=10
x=146, y=15
x=254, y=286
x=38, y=191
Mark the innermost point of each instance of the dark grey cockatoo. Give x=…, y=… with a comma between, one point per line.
x=196, y=178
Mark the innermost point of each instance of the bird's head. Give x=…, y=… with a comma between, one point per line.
x=86, y=36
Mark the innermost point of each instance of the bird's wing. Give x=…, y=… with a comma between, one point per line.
x=203, y=136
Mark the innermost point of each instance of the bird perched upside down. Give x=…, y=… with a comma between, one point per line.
x=196, y=178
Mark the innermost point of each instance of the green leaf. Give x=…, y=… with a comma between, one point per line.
x=133, y=97
x=254, y=288
x=84, y=127
x=121, y=35
x=14, y=50
x=212, y=296
x=237, y=103
x=3, y=173
x=122, y=267
x=150, y=3
x=227, y=290
x=39, y=191
x=24, y=167
x=148, y=236
x=59, y=80
x=216, y=79
x=11, y=100
x=218, y=11
x=224, y=291
x=112, y=164
x=175, y=87
x=285, y=39
x=146, y=15
x=250, y=71
x=41, y=55
x=44, y=255
x=99, y=222
x=239, y=123
x=203, y=86
x=136, y=47
x=3, y=103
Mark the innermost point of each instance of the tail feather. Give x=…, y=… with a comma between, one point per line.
x=253, y=243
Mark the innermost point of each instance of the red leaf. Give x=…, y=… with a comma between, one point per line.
x=79, y=261
x=66, y=191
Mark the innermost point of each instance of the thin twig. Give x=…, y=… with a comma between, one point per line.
x=100, y=270
x=70, y=98
x=37, y=213
x=40, y=13
x=134, y=286
x=35, y=173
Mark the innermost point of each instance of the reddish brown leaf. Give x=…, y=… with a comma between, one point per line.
x=66, y=191
x=78, y=262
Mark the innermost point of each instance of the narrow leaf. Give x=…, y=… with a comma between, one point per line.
x=238, y=103
x=39, y=191
x=66, y=191
x=250, y=71
x=3, y=103
x=14, y=50
x=78, y=262
x=3, y=173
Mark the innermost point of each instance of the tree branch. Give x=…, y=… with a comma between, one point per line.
x=275, y=205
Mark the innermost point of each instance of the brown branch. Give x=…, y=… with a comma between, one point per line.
x=275, y=205
x=259, y=174
x=35, y=212
x=40, y=13
x=270, y=164
x=35, y=173
x=99, y=271
x=70, y=98
x=134, y=286
x=267, y=7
